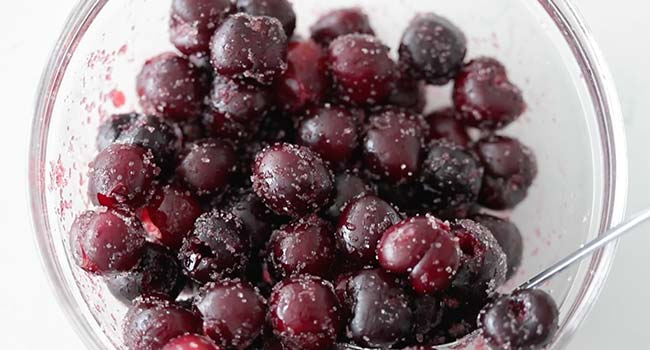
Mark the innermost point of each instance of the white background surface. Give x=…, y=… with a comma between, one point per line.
x=30, y=317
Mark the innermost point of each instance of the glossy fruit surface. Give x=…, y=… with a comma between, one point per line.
x=527, y=319
x=292, y=180
x=304, y=313
x=250, y=47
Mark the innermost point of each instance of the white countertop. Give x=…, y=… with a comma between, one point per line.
x=30, y=317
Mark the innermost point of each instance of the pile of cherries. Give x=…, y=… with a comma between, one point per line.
x=288, y=193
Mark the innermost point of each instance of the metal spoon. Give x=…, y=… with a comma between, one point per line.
x=588, y=248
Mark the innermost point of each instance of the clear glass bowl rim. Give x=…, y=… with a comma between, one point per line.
x=567, y=20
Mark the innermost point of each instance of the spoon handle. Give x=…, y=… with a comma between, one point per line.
x=587, y=249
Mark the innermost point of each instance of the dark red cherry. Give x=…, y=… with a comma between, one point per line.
x=221, y=126
x=428, y=312
x=106, y=241
x=408, y=93
x=192, y=130
x=257, y=219
x=304, y=313
x=280, y=9
x=112, y=128
x=236, y=108
x=191, y=342
x=423, y=248
x=451, y=176
x=445, y=124
x=410, y=198
x=216, y=248
x=170, y=214
x=158, y=272
x=153, y=322
x=340, y=22
x=292, y=180
x=250, y=47
x=461, y=309
x=378, y=309
x=306, y=81
x=361, y=225
x=171, y=87
x=510, y=168
x=509, y=238
x=484, y=96
x=393, y=144
x=348, y=186
x=207, y=166
x=361, y=69
x=433, y=48
x=525, y=320
x=121, y=175
x=154, y=133
x=331, y=132
x=483, y=264
x=305, y=246
x=232, y=312
x=193, y=22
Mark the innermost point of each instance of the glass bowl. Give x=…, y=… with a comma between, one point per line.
x=573, y=123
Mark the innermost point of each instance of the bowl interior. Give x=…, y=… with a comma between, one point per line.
x=569, y=203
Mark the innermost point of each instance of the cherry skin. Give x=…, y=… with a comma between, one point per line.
x=291, y=180
x=192, y=23
x=444, y=124
x=112, y=128
x=527, y=319
x=105, y=240
x=152, y=322
x=256, y=218
x=232, y=312
x=393, y=145
x=154, y=133
x=207, y=166
x=340, y=22
x=461, y=309
x=250, y=47
x=216, y=248
x=484, y=96
x=483, y=264
x=170, y=86
x=304, y=313
x=235, y=108
x=509, y=238
x=306, y=81
x=122, y=175
x=408, y=92
x=305, y=246
x=348, y=186
x=361, y=225
x=192, y=130
x=331, y=132
x=361, y=69
x=170, y=214
x=452, y=177
x=279, y=9
x=378, y=309
x=428, y=312
x=191, y=342
x=158, y=272
x=510, y=168
x=433, y=48
x=423, y=248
